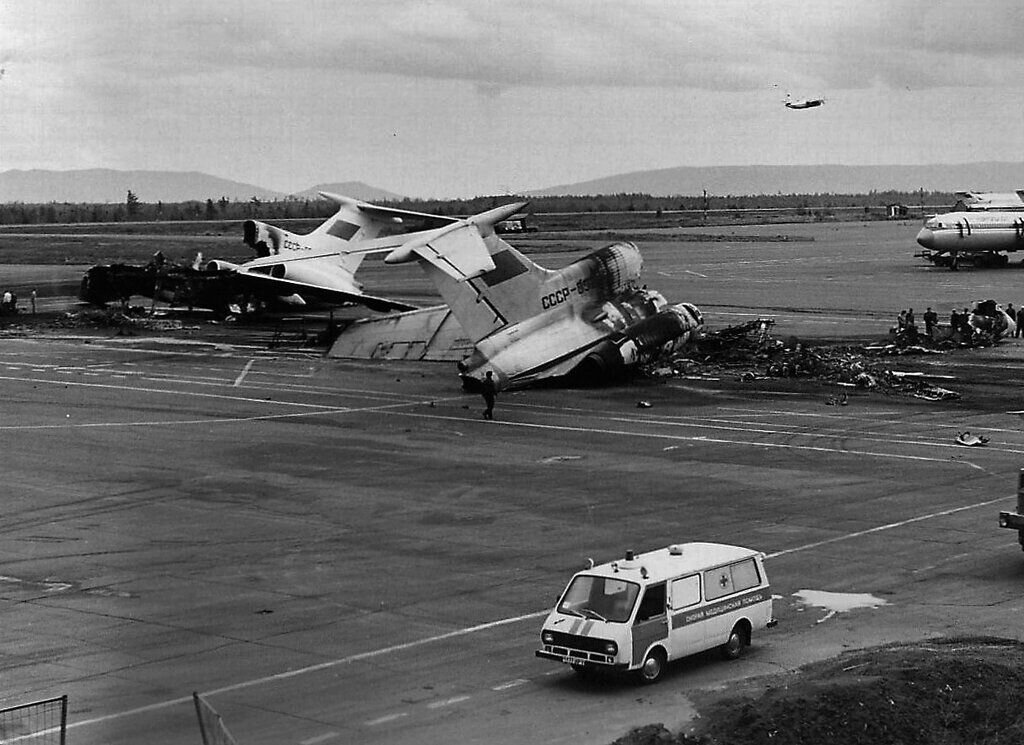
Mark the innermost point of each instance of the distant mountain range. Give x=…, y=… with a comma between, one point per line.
x=104, y=185
x=110, y=186
x=823, y=179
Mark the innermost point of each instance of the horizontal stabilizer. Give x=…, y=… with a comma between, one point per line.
x=458, y=250
x=389, y=214
x=460, y=253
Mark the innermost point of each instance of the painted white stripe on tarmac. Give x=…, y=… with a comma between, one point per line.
x=447, y=702
x=888, y=526
x=319, y=738
x=697, y=438
x=318, y=409
x=245, y=371
x=760, y=428
x=385, y=719
x=510, y=684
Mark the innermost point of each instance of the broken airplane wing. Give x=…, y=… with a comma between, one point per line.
x=265, y=284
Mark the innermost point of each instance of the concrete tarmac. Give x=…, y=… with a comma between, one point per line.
x=347, y=552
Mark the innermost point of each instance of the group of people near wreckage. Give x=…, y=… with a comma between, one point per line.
x=984, y=318
x=8, y=304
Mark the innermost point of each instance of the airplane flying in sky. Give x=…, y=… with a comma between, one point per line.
x=321, y=265
x=589, y=321
x=803, y=103
x=982, y=238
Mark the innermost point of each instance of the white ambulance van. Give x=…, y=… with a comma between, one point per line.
x=642, y=611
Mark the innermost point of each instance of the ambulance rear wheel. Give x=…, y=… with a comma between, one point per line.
x=739, y=639
x=653, y=667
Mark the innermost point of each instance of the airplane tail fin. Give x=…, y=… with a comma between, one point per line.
x=486, y=282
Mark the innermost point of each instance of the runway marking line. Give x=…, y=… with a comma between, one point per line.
x=386, y=718
x=447, y=702
x=245, y=371
x=510, y=684
x=318, y=409
x=319, y=738
x=700, y=438
x=887, y=526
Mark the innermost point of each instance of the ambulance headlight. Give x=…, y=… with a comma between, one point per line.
x=611, y=649
x=548, y=637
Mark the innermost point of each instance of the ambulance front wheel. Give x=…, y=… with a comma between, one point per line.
x=653, y=667
x=739, y=639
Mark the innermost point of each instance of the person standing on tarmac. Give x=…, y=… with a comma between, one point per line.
x=931, y=320
x=489, y=390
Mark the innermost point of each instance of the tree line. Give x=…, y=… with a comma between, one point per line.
x=133, y=210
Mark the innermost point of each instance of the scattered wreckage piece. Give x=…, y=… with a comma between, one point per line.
x=135, y=319
x=177, y=284
x=750, y=346
x=935, y=393
x=966, y=439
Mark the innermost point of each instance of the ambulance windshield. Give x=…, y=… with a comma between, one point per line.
x=600, y=598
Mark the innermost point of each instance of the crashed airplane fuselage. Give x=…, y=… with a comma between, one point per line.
x=589, y=321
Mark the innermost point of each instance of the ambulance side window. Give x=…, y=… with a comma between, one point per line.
x=744, y=575
x=717, y=583
x=685, y=591
x=653, y=603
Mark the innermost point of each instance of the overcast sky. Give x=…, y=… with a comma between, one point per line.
x=461, y=97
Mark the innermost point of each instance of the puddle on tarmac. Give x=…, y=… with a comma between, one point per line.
x=838, y=602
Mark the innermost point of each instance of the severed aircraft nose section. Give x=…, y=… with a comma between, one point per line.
x=926, y=237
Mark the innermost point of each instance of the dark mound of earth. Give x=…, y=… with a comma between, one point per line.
x=948, y=691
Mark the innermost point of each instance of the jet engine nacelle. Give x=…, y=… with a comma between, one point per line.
x=615, y=268
x=644, y=341
x=267, y=240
